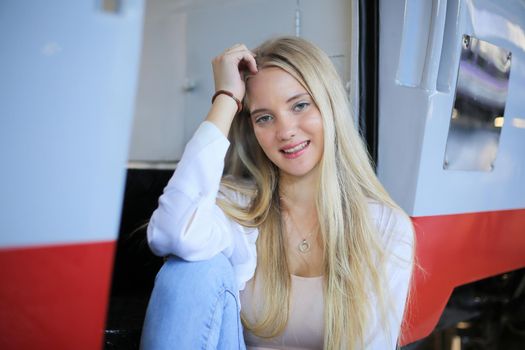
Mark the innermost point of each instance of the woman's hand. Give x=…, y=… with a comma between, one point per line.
x=228, y=67
x=227, y=72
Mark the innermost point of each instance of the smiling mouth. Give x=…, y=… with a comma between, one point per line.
x=295, y=149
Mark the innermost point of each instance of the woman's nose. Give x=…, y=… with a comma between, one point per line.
x=286, y=128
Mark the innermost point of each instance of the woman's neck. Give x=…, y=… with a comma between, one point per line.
x=301, y=224
x=298, y=194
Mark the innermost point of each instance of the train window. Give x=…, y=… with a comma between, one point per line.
x=479, y=105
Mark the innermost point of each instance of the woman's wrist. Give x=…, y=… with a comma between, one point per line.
x=226, y=102
x=222, y=112
x=231, y=95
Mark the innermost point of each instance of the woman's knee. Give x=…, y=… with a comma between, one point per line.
x=192, y=302
x=213, y=273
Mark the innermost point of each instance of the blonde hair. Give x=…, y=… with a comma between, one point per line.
x=353, y=251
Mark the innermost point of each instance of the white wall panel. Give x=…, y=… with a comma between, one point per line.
x=69, y=72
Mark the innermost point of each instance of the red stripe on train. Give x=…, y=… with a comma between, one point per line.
x=453, y=250
x=55, y=297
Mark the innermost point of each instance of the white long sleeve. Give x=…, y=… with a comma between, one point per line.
x=188, y=223
x=398, y=235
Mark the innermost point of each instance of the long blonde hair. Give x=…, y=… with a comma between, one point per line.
x=353, y=252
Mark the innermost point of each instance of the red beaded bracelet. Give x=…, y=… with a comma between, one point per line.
x=226, y=92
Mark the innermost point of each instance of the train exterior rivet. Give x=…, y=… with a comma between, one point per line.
x=466, y=41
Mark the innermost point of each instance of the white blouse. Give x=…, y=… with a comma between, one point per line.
x=188, y=223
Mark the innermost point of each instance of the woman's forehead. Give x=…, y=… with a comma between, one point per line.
x=272, y=84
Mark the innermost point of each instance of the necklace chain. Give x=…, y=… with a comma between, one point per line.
x=304, y=246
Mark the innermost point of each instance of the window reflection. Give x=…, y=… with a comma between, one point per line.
x=478, y=113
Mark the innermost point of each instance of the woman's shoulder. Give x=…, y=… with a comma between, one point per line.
x=392, y=223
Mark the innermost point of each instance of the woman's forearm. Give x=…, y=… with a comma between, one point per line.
x=222, y=112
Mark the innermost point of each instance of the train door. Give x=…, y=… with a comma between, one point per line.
x=451, y=140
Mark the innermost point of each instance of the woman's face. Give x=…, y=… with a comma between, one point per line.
x=286, y=121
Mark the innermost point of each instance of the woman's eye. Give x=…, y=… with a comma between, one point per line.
x=300, y=106
x=263, y=118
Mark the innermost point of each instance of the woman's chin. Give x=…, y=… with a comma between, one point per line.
x=297, y=172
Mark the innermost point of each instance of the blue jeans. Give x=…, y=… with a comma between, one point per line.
x=194, y=305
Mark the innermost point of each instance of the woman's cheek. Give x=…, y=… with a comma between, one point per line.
x=263, y=140
x=314, y=123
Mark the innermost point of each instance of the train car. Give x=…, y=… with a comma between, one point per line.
x=69, y=72
x=450, y=141
x=100, y=97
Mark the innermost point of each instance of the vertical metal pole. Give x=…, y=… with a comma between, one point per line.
x=368, y=73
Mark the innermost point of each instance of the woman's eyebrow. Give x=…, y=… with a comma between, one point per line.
x=296, y=96
x=288, y=100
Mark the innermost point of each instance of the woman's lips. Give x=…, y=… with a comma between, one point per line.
x=295, y=151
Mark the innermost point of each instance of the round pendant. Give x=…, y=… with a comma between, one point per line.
x=304, y=246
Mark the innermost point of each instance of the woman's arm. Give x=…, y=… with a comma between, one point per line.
x=187, y=222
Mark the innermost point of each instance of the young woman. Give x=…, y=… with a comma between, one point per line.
x=294, y=235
